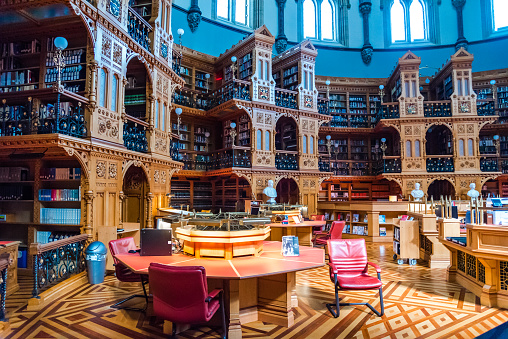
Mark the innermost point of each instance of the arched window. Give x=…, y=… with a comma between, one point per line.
x=114, y=93
x=499, y=17
x=408, y=149
x=461, y=147
x=309, y=19
x=417, y=148
x=319, y=20
x=267, y=140
x=311, y=144
x=236, y=11
x=470, y=147
x=259, y=140
x=304, y=144
x=409, y=21
x=102, y=87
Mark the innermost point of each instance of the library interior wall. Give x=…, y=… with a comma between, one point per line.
x=214, y=37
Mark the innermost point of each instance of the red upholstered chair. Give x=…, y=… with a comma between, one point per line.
x=348, y=271
x=335, y=232
x=180, y=295
x=123, y=273
x=317, y=217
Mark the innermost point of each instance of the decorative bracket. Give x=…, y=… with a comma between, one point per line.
x=461, y=40
x=194, y=16
x=281, y=42
x=367, y=50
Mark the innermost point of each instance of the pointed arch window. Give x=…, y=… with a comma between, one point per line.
x=102, y=87
x=236, y=11
x=408, y=21
x=319, y=20
x=499, y=17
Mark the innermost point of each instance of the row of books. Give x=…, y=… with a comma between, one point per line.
x=360, y=230
x=70, y=57
x=15, y=192
x=18, y=88
x=68, y=74
x=16, y=78
x=18, y=48
x=60, y=173
x=135, y=99
x=13, y=174
x=61, y=216
x=59, y=195
x=45, y=237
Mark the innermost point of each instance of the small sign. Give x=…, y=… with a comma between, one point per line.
x=290, y=246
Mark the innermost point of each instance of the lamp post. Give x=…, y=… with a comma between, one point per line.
x=233, y=133
x=59, y=61
x=233, y=66
x=494, y=90
x=207, y=76
x=383, y=149
x=327, y=82
x=381, y=92
x=180, y=32
x=178, y=111
x=496, y=143
x=207, y=135
x=329, y=148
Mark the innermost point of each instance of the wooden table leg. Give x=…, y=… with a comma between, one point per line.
x=276, y=299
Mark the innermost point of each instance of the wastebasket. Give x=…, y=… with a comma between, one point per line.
x=96, y=262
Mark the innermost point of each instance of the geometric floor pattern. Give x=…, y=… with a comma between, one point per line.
x=419, y=303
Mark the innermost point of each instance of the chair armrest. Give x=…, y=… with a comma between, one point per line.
x=378, y=269
x=332, y=268
x=320, y=232
x=213, y=295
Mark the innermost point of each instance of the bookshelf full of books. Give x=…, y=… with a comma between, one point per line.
x=245, y=67
x=19, y=65
x=406, y=235
x=243, y=131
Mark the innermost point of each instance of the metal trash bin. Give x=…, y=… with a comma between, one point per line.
x=96, y=262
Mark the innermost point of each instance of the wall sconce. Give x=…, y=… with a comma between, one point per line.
x=329, y=144
x=60, y=44
x=178, y=111
x=381, y=93
x=494, y=89
x=180, y=32
x=327, y=82
x=496, y=143
x=233, y=67
x=383, y=146
x=232, y=133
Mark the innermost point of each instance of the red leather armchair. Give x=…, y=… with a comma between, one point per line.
x=317, y=217
x=180, y=295
x=123, y=273
x=335, y=232
x=348, y=271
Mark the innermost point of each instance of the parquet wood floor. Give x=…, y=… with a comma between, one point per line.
x=419, y=303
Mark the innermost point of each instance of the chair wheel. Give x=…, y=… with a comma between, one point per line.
x=395, y=257
x=412, y=262
x=400, y=261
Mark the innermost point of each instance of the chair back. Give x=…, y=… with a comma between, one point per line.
x=336, y=229
x=123, y=245
x=179, y=293
x=318, y=217
x=348, y=256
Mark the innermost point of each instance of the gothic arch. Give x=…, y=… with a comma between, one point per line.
x=82, y=157
x=428, y=125
x=88, y=22
x=149, y=71
x=137, y=163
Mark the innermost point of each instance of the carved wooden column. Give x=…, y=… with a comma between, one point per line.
x=281, y=41
x=149, y=198
x=461, y=40
x=88, y=229
x=122, y=199
x=92, y=96
x=367, y=50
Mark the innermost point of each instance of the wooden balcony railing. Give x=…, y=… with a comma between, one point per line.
x=286, y=98
x=437, y=109
x=440, y=163
x=139, y=29
x=134, y=134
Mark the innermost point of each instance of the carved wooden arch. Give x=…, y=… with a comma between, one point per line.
x=247, y=110
x=321, y=179
x=136, y=163
x=172, y=172
x=286, y=176
x=88, y=22
x=429, y=124
x=278, y=115
x=482, y=124
x=82, y=157
x=248, y=177
x=450, y=180
x=395, y=126
x=130, y=55
x=483, y=180
x=397, y=180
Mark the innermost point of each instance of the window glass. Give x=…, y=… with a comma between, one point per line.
x=397, y=21
x=223, y=9
x=259, y=139
x=114, y=94
x=311, y=86
x=163, y=117
x=461, y=147
x=309, y=19
x=417, y=148
x=260, y=65
x=305, y=79
x=459, y=87
x=470, y=146
x=304, y=144
x=466, y=86
x=102, y=85
x=417, y=21
x=241, y=12
x=499, y=11
x=266, y=70
x=408, y=149
x=156, y=120
x=326, y=20
x=311, y=144
x=267, y=140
